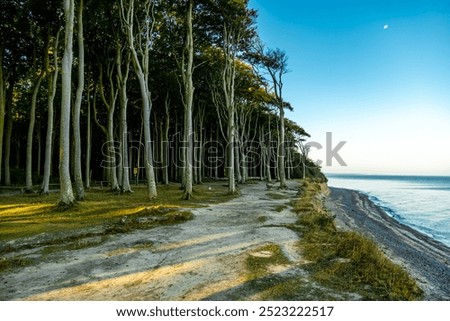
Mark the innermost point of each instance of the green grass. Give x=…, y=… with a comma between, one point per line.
x=258, y=267
x=348, y=260
x=278, y=286
x=15, y=262
x=89, y=223
x=30, y=215
x=280, y=208
x=277, y=196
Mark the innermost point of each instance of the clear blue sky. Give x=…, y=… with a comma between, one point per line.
x=374, y=73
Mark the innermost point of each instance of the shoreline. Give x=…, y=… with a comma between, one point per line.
x=426, y=259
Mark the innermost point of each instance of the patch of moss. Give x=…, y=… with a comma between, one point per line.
x=9, y=263
x=259, y=265
x=277, y=196
x=148, y=219
x=280, y=208
x=77, y=243
x=262, y=219
x=143, y=246
x=300, y=289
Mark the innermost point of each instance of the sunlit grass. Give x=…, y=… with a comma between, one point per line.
x=29, y=215
x=347, y=260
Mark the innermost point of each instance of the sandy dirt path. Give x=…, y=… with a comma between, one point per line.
x=190, y=261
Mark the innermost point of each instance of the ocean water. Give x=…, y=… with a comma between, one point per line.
x=421, y=202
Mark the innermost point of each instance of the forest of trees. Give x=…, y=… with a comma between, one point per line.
x=148, y=91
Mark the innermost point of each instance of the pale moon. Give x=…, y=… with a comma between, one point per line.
x=385, y=27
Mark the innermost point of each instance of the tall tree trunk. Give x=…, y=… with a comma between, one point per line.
x=216, y=167
x=237, y=162
x=78, y=176
x=114, y=183
x=230, y=154
x=8, y=131
x=269, y=156
x=102, y=128
x=39, y=151
x=30, y=136
x=66, y=198
x=2, y=106
x=165, y=150
x=148, y=155
x=110, y=105
x=210, y=165
x=282, y=151
x=200, y=150
x=155, y=149
x=262, y=155
x=188, y=61
x=141, y=69
x=122, y=79
x=139, y=152
x=87, y=171
x=288, y=163
x=228, y=86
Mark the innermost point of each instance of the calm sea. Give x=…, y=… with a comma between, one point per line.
x=422, y=202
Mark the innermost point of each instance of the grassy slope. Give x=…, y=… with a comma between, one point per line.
x=347, y=260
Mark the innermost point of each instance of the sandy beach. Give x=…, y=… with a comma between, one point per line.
x=427, y=260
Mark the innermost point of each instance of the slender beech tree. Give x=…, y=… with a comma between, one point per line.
x=234, y=28
x=78, y=176
x=188, y=100
x=2, y=104
x=34, y=95
x=275, y=62
x=122, y=79
x=87, y=168
x=109, y=102
x=8, y=130
x=165, y=151
x=139, y=42
x=66, y=193
x=51, y=93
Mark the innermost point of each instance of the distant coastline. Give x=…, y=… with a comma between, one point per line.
x=425, y=258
